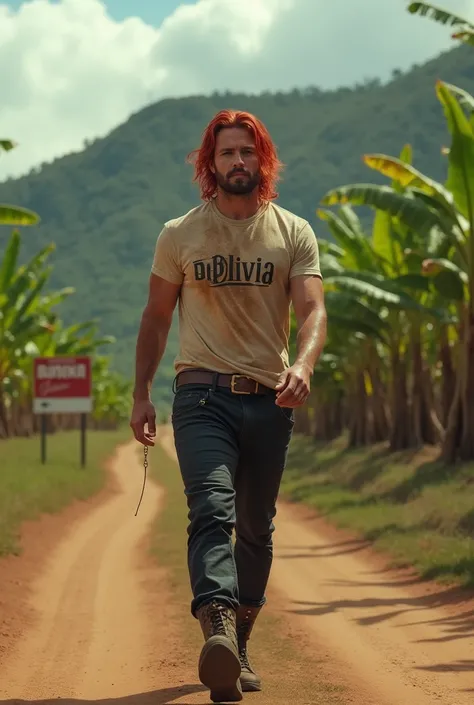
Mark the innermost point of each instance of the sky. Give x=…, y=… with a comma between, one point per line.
x=151, y=11
x=75, y=69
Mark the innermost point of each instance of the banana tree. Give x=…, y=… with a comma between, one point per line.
x=444, y=238
x=464, y=29
x=342, y=395
x=460, y=436
x=346, y=389
x=449, y=254
x=22, y=318
x=29, y=326
x=356, y=393
x=328, y=399
x=376, y=271
x=348, y=383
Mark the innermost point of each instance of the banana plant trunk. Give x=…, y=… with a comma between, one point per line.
x=400, y=433
x=328, y=421
x=359, y=427
x=459, y=440
x=380, y=416
x=336, y=415
x=448, y=376
x=425, y=429
x=4, y=421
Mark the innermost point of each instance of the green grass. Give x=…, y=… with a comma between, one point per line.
x=411, y=506
x=270, y=647
x=29, y=489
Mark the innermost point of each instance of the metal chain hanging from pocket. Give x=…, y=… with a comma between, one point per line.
x=145, y=466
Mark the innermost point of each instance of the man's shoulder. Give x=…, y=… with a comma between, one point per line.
x=183, y=222
x=295, y=223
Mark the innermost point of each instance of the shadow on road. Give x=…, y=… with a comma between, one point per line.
x=154, y=697
x=325, y=550
x=452, y=627
x=456, y=667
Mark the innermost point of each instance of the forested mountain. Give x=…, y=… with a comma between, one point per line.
x=104, y=207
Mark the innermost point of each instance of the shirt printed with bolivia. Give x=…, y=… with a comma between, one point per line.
x=234, y=305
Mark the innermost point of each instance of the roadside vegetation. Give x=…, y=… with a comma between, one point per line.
x=29, y=489
x=30, y=326
x=385, y=447
x=410, y=505
x=398, y=366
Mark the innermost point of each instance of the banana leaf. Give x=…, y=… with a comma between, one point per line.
x=14, y=215
x=405, y=207
x=407, y=175
x=437, y=14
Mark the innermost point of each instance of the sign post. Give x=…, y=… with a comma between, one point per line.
x=62, y=385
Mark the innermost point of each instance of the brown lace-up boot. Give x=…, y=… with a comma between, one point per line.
x=246, y=616
x=219, y=663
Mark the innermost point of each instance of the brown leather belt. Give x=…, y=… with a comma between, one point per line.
x=238, y=384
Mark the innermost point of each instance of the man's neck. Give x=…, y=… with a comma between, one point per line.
x=237, y=207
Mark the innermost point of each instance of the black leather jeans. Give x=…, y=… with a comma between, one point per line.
x=232, y=451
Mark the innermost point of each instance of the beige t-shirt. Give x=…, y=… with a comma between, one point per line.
x=234, y=305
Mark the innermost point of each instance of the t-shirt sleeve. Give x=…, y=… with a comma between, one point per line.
x=306, y=254
x=166, y=262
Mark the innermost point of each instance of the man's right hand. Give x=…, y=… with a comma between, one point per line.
x=143, y=413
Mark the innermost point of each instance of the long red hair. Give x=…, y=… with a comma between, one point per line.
x=203, y=157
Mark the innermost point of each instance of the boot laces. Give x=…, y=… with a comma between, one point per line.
x=244, y=659
x=219, y=617
x=242, y=636
x=244, y=629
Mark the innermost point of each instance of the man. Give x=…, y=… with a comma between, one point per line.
x=235, y=263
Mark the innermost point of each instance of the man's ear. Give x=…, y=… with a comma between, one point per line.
x=212, y=167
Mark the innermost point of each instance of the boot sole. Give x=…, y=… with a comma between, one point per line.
x=220, y=669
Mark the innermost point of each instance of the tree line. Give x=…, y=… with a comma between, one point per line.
x=398, y=365
x=30, y=326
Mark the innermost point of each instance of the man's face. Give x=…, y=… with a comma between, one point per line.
x=236, y=164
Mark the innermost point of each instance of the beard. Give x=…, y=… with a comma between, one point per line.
x=243, y=183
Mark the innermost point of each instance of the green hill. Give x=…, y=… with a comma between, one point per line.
x=105, y=206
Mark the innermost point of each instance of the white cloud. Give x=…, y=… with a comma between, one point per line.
x=70, y=72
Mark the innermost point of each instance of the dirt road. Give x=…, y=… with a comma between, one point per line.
x=399, y=641
x=90, y=602
x=408, y=644
x=103, y=626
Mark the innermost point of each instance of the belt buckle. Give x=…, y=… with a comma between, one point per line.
x=236, y=391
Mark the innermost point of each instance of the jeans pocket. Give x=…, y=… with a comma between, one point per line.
x=187, y=400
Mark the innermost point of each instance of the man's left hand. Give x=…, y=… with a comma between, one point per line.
x=293, y=387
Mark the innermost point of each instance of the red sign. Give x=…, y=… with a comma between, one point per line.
x=65, y=379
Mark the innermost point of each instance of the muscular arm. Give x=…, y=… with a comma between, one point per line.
x=151, y=344
x=307, y=294
x=153, y=333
